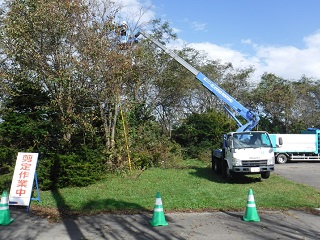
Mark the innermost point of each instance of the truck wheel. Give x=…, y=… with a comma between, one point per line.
x=217, y=166
x=213, y=163
x=213, y=159
x=227, y=174
x=265, y=175
x=281, y=158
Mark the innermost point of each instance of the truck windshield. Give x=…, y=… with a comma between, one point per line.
x=251, y=140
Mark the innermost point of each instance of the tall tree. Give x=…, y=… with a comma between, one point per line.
x=40, y=37
x=70, y=49
x=274, y=97
x=306, y=108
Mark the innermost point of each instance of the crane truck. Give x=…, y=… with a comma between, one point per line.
x=297, y=147
x=239, y=155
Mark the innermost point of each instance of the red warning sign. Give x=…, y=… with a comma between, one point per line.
x=23, y=177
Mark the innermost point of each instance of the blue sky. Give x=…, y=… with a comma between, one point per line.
x=228, y=22
x=274, y=36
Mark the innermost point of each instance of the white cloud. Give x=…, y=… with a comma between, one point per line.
x=313, y=41
x=291, y=62
x=136, y=11
x=217, y=52
x=287, y=62
x=226, y=55
x=197, y=26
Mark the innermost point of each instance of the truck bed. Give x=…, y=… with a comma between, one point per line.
x=294, y=143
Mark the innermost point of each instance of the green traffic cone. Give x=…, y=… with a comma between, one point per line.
x=158, y=218
x=4, y=210
x=251, y=214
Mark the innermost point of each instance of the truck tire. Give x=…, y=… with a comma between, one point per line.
x=281, y=158
x=265, y=175
x=213, y=161
x=227, y=174
x=217, y=166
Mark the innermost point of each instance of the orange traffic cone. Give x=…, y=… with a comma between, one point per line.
x=251, y=214
x=158, y=218
x=4, y=210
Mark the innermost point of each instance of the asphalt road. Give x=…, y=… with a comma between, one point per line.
x=182, y=226
x=303, y=172
x=194, y=226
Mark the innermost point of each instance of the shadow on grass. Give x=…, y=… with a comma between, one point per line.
x=113, y=206
x=209, y=174
x=95, y=207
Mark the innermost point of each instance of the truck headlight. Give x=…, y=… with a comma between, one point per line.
x=271, y=161
x=236, y=162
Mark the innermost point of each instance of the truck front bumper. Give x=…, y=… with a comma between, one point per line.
x=253, y=169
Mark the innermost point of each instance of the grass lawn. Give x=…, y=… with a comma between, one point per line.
x=192, y=187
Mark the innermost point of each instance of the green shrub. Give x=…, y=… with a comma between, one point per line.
x=201, y=133
x=73, y=169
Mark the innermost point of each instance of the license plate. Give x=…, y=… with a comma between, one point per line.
x=255, y=169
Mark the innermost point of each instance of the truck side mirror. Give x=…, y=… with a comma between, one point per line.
x=280, y=141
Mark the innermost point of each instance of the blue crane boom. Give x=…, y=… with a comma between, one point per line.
x=251, y=117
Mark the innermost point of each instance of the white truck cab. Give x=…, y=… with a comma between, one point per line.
x=245, y=153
